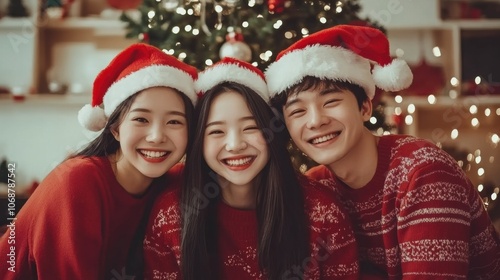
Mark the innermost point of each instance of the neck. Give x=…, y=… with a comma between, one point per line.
x=358, y=167
x=129, y=178
x=239, y=196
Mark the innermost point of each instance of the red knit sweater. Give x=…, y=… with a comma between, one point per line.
x=78, y=224
x=332, y=244
x=419, y=217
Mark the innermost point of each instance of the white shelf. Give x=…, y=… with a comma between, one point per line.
x=84, y=23
x=474, y=24
x=47, y=99
x=16, y=23
x=444, y=101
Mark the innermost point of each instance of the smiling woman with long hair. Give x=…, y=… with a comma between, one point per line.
x=243, y=211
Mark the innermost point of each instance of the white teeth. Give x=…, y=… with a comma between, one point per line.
x=324, y=138
x=237, y=162
x=153, y=154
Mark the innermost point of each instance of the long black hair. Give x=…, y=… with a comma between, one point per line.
x=282, y=229
x=104, y=145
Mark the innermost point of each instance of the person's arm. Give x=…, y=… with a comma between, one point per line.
x=333, y=246
x=59, y=233
x=436, y=209
x=162, y=240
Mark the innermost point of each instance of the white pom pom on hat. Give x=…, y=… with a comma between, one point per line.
x=231, y=69
x=138, y=67
x=340, y=53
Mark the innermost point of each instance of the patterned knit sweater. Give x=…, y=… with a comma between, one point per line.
x=419, y=217
x=332, y=244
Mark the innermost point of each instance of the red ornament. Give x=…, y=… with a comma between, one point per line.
x=124, y=4
x=236, y=47
x=276, y=6
x=144, y=37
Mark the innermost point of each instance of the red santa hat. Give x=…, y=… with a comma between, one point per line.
x=138, y=67
x=232, y=70
x=340, y=53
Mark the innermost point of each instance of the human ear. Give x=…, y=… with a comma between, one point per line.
x=115, y=133
x=366, y=109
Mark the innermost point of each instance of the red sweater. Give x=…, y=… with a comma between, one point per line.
x=332, y=244
x=419, y=217
x=78, y=224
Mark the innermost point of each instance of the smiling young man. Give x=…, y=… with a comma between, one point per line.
x=415, y=213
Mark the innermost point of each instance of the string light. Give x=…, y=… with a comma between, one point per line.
x=487, y=112
x=431, y=99
x=411, y=108
x=399, y=52
x=495, y=138
x=480, y=188
x=475, y=122
x=454, y=81
x=408, y=120
x=480, y=172
x=436, y=51
x=454, y=134
x=176, y=29
x=398, y=98
x=473, y=109
x=453, y=94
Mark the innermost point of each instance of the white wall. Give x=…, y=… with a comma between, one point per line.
x=39, y=135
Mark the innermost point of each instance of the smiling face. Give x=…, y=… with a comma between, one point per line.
x=234, y=146
x=152, y=135
x=326, y=122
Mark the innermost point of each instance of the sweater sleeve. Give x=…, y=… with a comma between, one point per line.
x=162, y=240
x=60, y=229
x=442, y=226
x=333, y=245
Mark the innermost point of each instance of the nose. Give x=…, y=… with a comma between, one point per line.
x=156, y=134
x=316, y=119
x=235, y=142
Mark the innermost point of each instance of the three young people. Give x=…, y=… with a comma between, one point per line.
x=243, y=212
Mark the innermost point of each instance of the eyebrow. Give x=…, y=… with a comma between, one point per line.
x=321, y=93
x=223, y=122
x=143, y=110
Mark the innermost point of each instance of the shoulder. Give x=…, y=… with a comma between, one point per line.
x=322, y=204
x=82, y=169
x=76, y=177
x=409, y=146
x=415, y=153
x=166, y=210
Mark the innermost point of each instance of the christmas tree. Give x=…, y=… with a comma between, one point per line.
x=253, y=30
x=201, y=32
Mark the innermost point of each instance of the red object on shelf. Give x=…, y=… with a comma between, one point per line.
x=471, y=88
x=124, y=4
x=427, y=79
x=276, y=6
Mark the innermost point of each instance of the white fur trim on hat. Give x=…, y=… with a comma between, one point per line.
x=324, y=62
x=147, y=77
x=92, y=118
x=231, y=73
x=394, y=76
